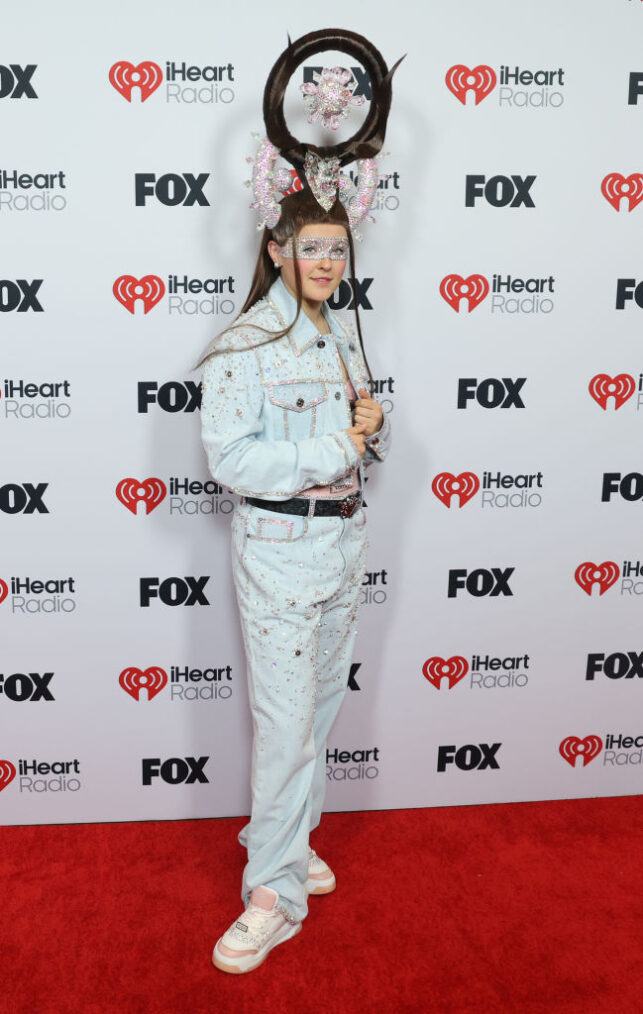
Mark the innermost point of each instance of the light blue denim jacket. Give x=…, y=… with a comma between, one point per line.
x=274, y=414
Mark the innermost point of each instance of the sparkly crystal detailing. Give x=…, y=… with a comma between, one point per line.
x=368, y=182
x=349, y=505
x=323, y=178
x=263, y=526
x=268, y=184
x=297, y=396
x=349, y=462
x=298, y=604
x=329, y=96
x=279, y=447
x=252, y=929
x=317, y=248
x=286, y=914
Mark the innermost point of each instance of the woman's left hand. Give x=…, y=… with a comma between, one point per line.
x=368, y=412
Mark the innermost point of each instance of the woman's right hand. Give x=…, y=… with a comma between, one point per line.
x=356, y=433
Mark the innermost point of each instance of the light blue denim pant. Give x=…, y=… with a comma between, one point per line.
x=298, y=584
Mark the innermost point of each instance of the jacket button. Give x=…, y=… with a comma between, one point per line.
x=300, y=402
x=337, y=395
x=321, y=344
x=228, y=373
x=352, y=347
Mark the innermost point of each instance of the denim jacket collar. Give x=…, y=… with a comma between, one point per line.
x=304, y=334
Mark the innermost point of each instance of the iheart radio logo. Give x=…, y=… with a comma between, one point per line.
x=464, y=486
x=131, y=492
x=295, y=183
x=4, y=590
x=7, y=773
x=573, y=747
x=481, y=80
x=454, y=668
x=134, y=680
x=603, y=574
x=474, y=289
x=149, y=289
x=615, y=186
x=146, y=76
x=620, y=388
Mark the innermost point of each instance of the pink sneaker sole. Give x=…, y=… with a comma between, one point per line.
x=325, y=886
x=249, y=962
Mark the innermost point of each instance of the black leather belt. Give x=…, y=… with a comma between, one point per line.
x=301, y=505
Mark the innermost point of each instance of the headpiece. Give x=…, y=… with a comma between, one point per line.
x=328, y=98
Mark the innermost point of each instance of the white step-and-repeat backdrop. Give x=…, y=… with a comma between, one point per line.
x=500, y=653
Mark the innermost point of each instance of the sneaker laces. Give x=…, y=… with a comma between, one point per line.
x=258, y=920
x=313, y=858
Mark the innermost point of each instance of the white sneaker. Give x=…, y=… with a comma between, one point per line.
x=247, y=943
x=321, y=879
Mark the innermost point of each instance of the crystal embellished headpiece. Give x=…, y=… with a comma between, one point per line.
x=328, y=98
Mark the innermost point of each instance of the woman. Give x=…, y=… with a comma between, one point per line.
x=287, y=422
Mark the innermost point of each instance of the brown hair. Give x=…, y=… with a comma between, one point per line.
x=297, y=210
x=300, y=209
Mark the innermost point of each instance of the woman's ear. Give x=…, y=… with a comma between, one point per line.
x=273, y=251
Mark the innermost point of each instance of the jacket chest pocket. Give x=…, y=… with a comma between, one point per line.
x=299, y=404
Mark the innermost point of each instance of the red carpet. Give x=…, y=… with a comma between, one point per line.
x=514, y=909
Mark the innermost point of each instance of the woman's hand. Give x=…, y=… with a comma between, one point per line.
x=356, y=433
x=368, y=413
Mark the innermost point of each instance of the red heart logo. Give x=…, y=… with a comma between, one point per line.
x=464, y=486
x=573, y=747
x=149, y=289
x=133, y=680
x=481, y=80
x=295, y=185
x=474, y=289
x=125, y=75
x=615, y=186
x=603, y=574
x=4, y=590
x=7, y=773
x=131, y=492
x=621, y=387
x=454, y=668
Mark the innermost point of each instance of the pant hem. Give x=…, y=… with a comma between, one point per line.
x=287, y=914
x=282, y=907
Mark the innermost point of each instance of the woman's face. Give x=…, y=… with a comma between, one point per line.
x=321, y=264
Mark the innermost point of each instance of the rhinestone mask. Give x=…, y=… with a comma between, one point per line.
x=317, y=248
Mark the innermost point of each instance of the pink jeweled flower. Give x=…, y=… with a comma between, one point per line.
x=329, y=96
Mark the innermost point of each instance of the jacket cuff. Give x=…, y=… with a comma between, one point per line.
x=348, y=447
x=378, y=443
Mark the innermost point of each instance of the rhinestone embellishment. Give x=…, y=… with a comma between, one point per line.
x=323, y=178
x=329, y=96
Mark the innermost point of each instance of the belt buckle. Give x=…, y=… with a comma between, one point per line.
x=349, y=505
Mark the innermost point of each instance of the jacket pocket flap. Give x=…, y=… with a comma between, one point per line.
x=299, y=395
